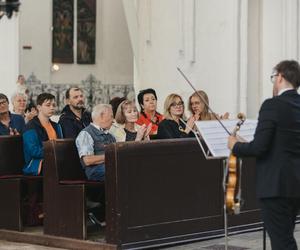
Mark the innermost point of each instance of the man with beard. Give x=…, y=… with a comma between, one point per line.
x=74, y=117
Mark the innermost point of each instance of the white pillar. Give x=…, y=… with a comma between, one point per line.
x=9, y=51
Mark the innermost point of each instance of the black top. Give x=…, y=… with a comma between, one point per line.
x=130, y=136
x=168, y=129
x=71, y=124
x=276, y=145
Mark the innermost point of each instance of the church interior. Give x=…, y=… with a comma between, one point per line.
x=160, y=187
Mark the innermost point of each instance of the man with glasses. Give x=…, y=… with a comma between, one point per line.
x=10, y=124
x=276, y=146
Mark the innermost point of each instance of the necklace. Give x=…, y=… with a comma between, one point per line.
x=154, y=119
x=181, y=129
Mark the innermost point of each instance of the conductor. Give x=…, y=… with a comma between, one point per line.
x=276, y=146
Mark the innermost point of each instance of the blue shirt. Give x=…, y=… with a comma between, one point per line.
x=16, y=122
x=91, y=141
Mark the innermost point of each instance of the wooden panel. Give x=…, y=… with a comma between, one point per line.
x=12, y=158
x=10, y=196
x=166, y=191
x=64, y=204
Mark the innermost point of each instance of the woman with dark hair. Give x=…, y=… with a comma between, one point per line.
x=115, y=102
x=148, y=102
x=30, y=112
x=200, y=110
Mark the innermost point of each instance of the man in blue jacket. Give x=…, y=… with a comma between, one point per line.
x=38, y=130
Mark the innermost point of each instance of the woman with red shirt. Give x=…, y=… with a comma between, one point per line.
x=148, y=102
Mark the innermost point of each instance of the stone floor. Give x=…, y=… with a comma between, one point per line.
x=252, y=241
x=6, y=245
x=236, y=242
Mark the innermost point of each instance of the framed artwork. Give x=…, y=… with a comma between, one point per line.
x=86, y=31
x=62, y=33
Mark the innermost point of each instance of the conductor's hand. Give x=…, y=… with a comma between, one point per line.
x=232, y=140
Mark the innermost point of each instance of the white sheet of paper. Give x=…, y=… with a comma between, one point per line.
x=215, y=135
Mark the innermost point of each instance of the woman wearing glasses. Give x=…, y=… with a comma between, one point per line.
x=173, y=126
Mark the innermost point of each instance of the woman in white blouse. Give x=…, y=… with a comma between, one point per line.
x=125, y=127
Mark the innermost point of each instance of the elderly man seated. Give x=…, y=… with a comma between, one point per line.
x=91, y=141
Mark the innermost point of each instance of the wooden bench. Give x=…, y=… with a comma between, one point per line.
x=165, y=191
x=158, y=192
x=14, y=185
x=65, y=190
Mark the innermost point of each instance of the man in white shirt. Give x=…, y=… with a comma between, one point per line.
x=91, y=142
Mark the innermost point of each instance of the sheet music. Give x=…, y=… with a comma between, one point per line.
x=215, y=136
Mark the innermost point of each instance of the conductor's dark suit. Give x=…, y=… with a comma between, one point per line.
x=276, y=145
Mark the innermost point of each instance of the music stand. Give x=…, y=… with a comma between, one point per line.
x=214, y=139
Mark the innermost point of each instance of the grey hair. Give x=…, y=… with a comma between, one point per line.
x=15, y=94
x=99, y=109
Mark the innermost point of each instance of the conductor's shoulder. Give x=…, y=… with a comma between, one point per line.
x=269, y=104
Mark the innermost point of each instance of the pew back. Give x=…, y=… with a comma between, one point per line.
x=12, y=157
x=166, y=191
x=65, y=190
x=16, y=190
x=68, y=162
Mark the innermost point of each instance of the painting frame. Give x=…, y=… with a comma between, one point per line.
x=63, y=31
x=86, y=31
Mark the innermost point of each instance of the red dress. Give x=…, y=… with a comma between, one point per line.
x=146, y=119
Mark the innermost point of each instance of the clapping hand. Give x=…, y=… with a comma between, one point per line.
x=13, y=131
x=141, y=132
x=225, y=116
x=190, y=124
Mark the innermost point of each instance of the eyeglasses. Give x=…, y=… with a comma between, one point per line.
x=272, y=77
x=178, y=104
x=3, y=102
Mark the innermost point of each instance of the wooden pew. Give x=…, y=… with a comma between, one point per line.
x=165, y=191
x=13, y=184
x=157, y=193
x=65, y=190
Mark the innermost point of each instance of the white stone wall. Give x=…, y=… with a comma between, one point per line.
x=9, y=58
x=114, y=58
x=227, y=48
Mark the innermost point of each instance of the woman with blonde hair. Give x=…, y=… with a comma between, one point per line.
x=125, y=127
x=200, y=110
x=173, y=125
